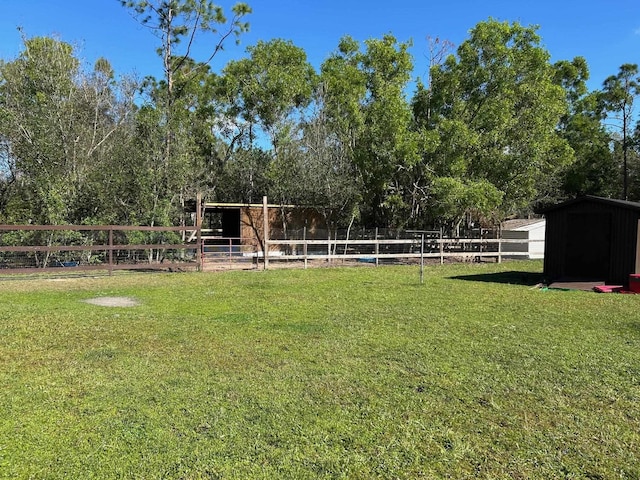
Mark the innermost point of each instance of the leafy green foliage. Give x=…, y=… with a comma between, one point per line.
x=456, y=200
x=245, y=176
x=60, y=124
x=180, y=98
x=494, y=130
x=496, y=107
x=329, y=179
x=594, y=171
x=344, y=89
x=367, y=110
x=268, y=86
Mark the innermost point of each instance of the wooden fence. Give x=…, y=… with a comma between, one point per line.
x=50, y=248
x=46, y=248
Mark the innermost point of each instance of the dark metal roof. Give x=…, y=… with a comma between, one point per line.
x=591, y=198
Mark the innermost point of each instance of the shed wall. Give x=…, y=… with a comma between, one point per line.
x=622, y=239
x=535, y=249
x=515, y=247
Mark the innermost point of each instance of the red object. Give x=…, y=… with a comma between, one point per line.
x=634, y=282
x=608, y=288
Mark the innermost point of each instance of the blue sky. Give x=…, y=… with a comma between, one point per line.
x=605, y=32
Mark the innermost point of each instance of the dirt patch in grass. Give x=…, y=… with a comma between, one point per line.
x=113, y=301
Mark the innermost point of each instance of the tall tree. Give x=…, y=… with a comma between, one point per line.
x=496, y=107
x=344, y=90
x=329, y=178
x=619, y=92
x=59, y=124
x=268, y=87
x=389, y=145
x=37, y=89
x=593, y=171
x=367, y=109
x=268, y=91
x=177, y=23
x=245, y=176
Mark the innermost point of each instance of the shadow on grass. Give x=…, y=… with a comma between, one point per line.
x=512, y=278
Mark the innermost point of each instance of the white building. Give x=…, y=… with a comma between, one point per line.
x=530, y=231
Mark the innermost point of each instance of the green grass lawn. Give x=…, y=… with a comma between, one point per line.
x=323, y=373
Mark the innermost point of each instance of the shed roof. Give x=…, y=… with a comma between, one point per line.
x=591, y=198
x=522, y=223
x=247, y=205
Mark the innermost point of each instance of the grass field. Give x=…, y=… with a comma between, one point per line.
x=325, y=373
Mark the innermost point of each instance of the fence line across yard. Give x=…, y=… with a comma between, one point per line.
x=50, y=248
x=377, y=250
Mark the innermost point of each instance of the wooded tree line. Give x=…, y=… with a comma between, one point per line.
x=494, y=130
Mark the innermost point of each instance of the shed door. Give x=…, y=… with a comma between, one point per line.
x=588, y=246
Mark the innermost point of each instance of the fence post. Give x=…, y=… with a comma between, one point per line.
x=377, y=247
x=500, y=249
x=110, y=251
x=421, y=259
x=265, y=223
x=304, y=246
x=199, y=249
x=441, y=248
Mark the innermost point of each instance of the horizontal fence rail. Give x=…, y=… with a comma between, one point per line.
x=50, y=248
x=377, y=250
x=54, y=248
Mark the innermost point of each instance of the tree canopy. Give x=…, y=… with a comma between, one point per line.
x=495, y=130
